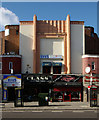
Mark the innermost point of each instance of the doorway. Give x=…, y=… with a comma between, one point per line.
x=93, y=97
x=66, y=96
x=56, y=69
x=11, y=93
x=46, y=69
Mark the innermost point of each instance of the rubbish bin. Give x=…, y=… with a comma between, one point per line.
x=43, y=99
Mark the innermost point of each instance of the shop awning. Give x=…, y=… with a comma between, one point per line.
x=57, y=64
x=46, y=64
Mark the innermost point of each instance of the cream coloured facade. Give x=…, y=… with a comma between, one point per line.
x=63, y=39
x=26, y=46
x=52, y=46
x=77, y=46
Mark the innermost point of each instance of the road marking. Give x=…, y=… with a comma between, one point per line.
x=78, y=111
x=37, y=111
x=22, y=111
x=56, y=111
x=95, y=111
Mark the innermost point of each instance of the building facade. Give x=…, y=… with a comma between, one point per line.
x=9, y=40
x=10, y=62
x=10, y=69
x=50, y=46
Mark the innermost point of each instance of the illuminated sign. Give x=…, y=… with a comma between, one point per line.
x=44, y=56
x=11, y=80
x=51, y=56
x=56, y=56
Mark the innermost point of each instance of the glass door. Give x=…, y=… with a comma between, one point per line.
x=66, y=96
x=93, y=97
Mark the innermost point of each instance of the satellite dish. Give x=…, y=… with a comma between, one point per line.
x=87, y=69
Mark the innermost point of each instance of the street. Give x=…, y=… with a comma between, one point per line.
x=59, y=110
x=52, y=114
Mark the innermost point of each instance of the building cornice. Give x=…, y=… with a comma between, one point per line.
x=90, y=56
x=11, y=56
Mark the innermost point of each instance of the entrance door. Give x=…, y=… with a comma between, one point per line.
x=11, y=93
x=47, y=69
x=56, y=69
x=66, y=96
x=93, y=97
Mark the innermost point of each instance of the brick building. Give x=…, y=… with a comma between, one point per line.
x=10, y=39
x=2, y=42
x=10, y=61
x=90, y=67
x=91, y=41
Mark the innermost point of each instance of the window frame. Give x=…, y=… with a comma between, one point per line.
x=93, y=64
x=1, y=65
x=17, y=32
x=11, y=65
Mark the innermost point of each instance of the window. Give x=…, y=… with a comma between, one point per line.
x=10, y=65
x=92, y=34
x=6, y=32
x=17, y=32
x=0, y=65
x=93, y=65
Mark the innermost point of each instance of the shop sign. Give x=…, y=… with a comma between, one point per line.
x=44, y=56
x=57, y=64
x=51, y=56
x=46, y=64
x=11, y=80
x=55, y=56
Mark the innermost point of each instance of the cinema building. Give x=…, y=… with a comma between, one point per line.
x=52, y=46
x=60, y=48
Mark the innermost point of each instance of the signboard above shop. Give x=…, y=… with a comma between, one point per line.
x=56, y=56
x=11, y=80
x=51, y=56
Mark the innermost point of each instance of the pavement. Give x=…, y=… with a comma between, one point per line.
x=34, y=106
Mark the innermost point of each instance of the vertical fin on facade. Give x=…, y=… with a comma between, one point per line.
x=54, y=23
x=34, y=44
x=59, y=26
x=68, y=45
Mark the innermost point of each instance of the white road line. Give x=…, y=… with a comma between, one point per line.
x=22, y=111
x=36, y=111
x=78, y=111
x=56, y=111
x=95, y=111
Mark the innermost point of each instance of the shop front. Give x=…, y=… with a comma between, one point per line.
x=67, y=93
x=94, y=96
x=10, y=82
x=67, y=88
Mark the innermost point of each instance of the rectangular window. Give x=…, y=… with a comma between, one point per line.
x=17, y=32
x=93, y=65
x=0, y=65
x=10, y=65
x=6, y=32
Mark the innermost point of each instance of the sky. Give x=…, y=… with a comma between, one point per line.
x=13, y=12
